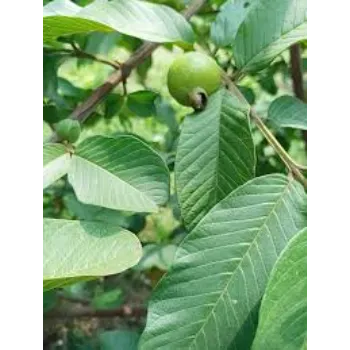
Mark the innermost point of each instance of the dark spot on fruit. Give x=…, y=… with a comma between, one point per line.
x=246, y=4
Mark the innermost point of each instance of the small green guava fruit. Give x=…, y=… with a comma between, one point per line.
x=193, y=77
x=68, y=130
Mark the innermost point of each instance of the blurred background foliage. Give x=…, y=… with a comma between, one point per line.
x=149, y=112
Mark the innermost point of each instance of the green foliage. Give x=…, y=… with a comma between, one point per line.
x=222, y=267
x=142, y=103
x=124, y=182
x=132, y=17
x=228, y=21
x=288, y=112
x=223, y=262
x=254, y=51
x=282, y=319
x=84, y=250
x=130, y=175
x=214, y=156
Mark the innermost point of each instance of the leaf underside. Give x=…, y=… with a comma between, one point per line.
x=211, y=295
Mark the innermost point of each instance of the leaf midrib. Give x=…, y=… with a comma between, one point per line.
x=239, y=265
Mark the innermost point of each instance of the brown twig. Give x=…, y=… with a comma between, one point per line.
x=79, y=53
x=297, y=72
x=125, y=311
x=87, y=107
x=297, y=76
x=292, y=166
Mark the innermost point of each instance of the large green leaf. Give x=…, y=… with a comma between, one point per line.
x=288, y=112
x=210, y=297
x=74, y=250
x=283, y=312
x=136, y=18
x=119, y=172
x=268, y=29
x=56, y=161
x=232, y=13
x=215, y=155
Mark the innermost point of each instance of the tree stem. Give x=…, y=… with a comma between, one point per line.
x=125, y=311
x=297, y=72
x=297, y=76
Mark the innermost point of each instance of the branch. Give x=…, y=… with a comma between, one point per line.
x=87, y=107
x=296, y=71
x=125, y=311
x=78, y=52
x=297, y=76
x=288, y=161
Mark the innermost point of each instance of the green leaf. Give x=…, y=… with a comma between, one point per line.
x=283, y=311
x=143, y=68
x=67, y=89
x=74, y=250
x=268, y=29
x=119, y=172
x=113, y=105
x=107, y=300
x=56, y=163
x=157, y=256
x=123, y=340
x=100, y=43
x=224, y=29
x=93, y=213
x=142, y=103
x=136, y=18
x=267, y=82
x=210, y=297
x=248, y=93
x=215, y=155
x=288, y=112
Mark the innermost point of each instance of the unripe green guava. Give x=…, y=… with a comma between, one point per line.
x=68, y=130
x=193, y=77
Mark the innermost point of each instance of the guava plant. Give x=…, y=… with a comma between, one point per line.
x=237, y=276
